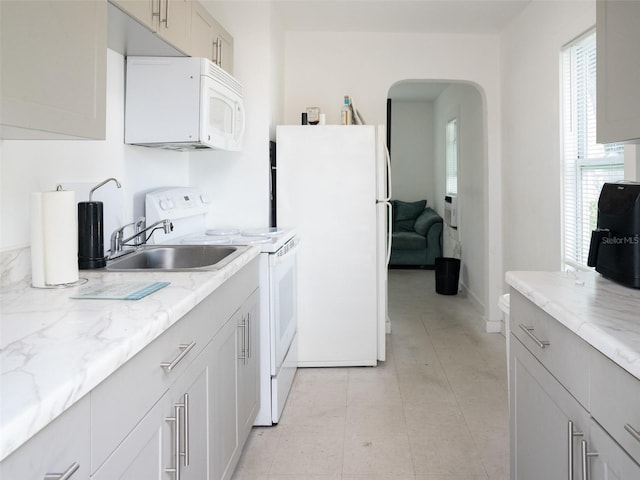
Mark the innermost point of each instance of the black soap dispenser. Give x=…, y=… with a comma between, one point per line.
x=91, y=231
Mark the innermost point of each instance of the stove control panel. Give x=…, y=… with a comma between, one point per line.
x=175, y=203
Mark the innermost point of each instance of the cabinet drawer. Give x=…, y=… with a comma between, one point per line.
x=561, y=351
x=55, y=449
x=118, y=403
x=611, y=461
x=615, y=402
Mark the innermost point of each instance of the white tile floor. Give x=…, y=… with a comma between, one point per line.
x=435, y=410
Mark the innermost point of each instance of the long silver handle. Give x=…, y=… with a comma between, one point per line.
x=529, y=331
x=249, y=335
x=632, y=431
x=243, y=348
x=166, y=13
x=570, y=435
x=585, y=459
x=153, y=12
x=176, y=441
x=216, y=50
x=63, y=476
x=186, y=348
x=185, y=430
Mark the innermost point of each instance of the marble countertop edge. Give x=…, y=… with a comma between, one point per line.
x=602, y=313
x=112, y=339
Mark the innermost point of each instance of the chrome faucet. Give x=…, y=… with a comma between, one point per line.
x=118, y=242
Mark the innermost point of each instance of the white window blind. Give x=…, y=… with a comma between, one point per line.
x=587, y=164
x=452, y=157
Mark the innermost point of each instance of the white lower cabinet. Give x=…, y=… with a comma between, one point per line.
x=248, y=364
x=553, y=434
x=543, y=415
x=222, y=426
x=62, y=447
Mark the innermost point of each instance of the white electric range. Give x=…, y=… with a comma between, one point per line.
x=187, y=208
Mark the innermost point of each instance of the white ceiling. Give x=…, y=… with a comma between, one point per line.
x=432, y=16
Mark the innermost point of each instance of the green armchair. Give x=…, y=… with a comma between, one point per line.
x=417, y=234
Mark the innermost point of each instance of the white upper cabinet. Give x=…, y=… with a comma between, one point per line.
x=169, y=19
x=618, y=99
x=53, y=69
x=209, y=39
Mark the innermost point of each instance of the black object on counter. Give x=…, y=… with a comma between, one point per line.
x=615, y=244
x=303, y=120
x=90, y=236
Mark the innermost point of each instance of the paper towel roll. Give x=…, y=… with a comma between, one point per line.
x=54, y=237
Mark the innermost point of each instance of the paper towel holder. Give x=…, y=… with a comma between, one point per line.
x=91, y=231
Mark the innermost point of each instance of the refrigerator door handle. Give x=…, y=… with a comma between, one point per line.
x=387, y=161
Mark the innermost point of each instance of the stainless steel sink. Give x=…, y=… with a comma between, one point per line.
x=176, y=258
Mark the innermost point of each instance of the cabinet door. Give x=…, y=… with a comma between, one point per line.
x=618, y=67
x=223, y=419
x=248, y=364
x=541, y=409
x=202, y=31
x=56, y=449
x=53, y=69
x=610, y=461
x=224, y=50
x=175, y=21
x=144, y=11
x=145, y=453
x=190, y=402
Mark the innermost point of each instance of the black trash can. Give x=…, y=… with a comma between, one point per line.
x=447, y=275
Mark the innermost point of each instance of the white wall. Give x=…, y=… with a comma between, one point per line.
x=238, y=183
x=31, y=166
x=531, y=130
x=322, y=67
x=464, y=102
x=412, y=151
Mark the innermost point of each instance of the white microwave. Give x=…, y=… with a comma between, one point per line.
x=182, y=103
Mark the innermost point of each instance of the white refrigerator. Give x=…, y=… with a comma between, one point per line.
x=331, y=187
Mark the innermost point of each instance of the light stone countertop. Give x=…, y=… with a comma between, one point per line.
x=54, y=350
x=603, y=313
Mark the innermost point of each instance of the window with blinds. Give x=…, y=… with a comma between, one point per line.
x=587, y=164
x=451, y=155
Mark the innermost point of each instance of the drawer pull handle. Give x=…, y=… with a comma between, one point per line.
x=63, y=476
x=632, y=431
x=529, y=331
x=172, y=364
x=570, y=435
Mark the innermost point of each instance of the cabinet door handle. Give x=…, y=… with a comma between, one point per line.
x=243, y=347
x=570, y=435
x=176, y=441
x=153, y=12
x=186, y=348
x=185, y=431
x=248, y=335
x=585, y=459
x=68, y=473
x=529, y=331
x=632, y=431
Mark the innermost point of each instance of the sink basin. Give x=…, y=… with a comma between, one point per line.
x=176, y=258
